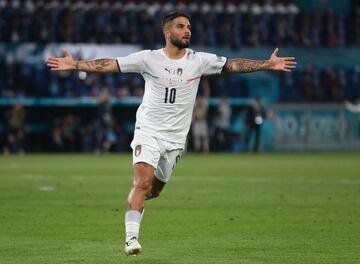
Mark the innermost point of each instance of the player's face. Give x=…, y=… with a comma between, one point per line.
x=180, y=32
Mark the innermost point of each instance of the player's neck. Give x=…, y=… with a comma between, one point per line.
x=173, y=52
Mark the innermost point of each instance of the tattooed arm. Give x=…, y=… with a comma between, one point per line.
x=275, y=63
x=67, y=63
x=98, y=65
x=244, y=65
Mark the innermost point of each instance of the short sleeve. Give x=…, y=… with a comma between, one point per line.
x=211, y=63
x=133, y=62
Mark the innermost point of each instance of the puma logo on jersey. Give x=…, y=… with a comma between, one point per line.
x=173, y=71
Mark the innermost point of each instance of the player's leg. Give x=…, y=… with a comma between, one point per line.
x=156, y=188
x=143, y=178
x=146, y=156
x=166, y=166
x=171, y=154
x=142, y=185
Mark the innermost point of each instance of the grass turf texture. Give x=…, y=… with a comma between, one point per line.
x=218, y=208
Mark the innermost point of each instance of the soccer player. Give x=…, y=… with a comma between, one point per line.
x=172, y=75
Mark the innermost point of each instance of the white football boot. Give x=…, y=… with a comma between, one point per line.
x=132, y=247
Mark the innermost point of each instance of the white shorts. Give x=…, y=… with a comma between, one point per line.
x=161, y=154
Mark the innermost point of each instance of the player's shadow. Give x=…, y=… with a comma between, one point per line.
x=141, y=260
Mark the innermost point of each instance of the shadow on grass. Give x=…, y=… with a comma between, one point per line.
x=145, y=260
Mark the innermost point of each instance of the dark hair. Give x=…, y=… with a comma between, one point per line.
x=171, y=16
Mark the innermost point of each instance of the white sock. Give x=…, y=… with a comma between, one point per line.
x=132, y=224
x=142, y=214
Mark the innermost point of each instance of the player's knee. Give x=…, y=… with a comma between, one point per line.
x=142, y=182
x=143, y=176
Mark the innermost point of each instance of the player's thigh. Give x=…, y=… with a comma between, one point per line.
x=157, y=187
x=146, y=155
x=146, y=150
x=143, y=175
x=167, y=164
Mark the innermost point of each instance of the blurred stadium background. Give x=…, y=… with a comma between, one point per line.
x=314, y=108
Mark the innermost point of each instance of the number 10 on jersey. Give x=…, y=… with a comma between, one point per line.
x=170, y=95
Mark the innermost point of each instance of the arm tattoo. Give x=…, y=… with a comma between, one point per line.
x=101, y=63
x=98, y=65
x=244, y=65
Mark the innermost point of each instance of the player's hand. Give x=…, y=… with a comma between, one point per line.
x=281, y=63
x=66, y=63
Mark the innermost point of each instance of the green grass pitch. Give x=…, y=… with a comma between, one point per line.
x=218, y=208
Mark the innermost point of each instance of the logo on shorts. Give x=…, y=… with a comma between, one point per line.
x=137, y=151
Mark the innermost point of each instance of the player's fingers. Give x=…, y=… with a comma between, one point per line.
x=53, y=59
x=275, y=52
x=290, y=62
x=67, y=53
x=290, y=66
x=53, y=66
x=52, y=63
x=289, y=58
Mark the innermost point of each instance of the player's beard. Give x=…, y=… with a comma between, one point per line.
x=178, y=43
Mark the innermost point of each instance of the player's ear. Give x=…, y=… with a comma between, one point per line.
x=166, y=32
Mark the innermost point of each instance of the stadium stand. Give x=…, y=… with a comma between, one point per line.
x=221, y=25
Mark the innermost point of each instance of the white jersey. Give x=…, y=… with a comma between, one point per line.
x=170, y=89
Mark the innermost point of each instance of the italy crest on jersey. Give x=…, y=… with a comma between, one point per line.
x=137, y=151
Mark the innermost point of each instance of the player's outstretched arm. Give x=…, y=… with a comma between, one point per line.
x=275, y=63
x=67, y=63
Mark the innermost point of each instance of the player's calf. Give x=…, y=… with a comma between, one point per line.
x=156, y=188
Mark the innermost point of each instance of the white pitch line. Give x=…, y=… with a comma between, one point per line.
x=35, y=176
x=262, y=180
x=46, y=188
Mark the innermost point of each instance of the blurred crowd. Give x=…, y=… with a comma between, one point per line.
x=103, y=134
x=65, y=133
x=216, y=23
x=329, y=84
x=22, y=80
x=306, y=84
